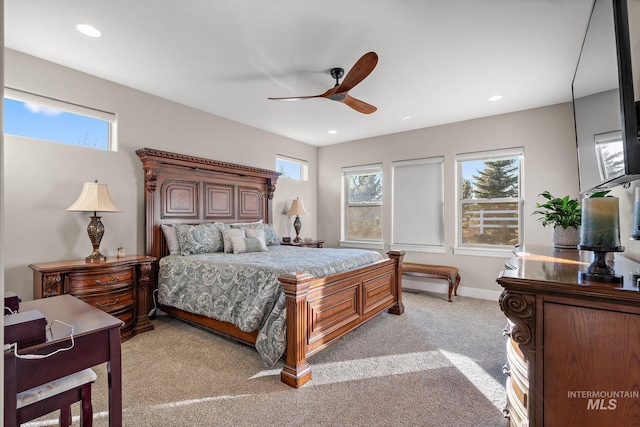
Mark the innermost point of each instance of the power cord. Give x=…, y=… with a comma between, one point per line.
x=155, y=306
x=42, y=356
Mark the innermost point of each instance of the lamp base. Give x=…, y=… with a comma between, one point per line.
x=297, y=225
x=95, y=256
x=96, y=231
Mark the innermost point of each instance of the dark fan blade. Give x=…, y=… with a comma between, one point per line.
x=327, y=94
x=295, y=98
x=358, y=105
x=362, y=68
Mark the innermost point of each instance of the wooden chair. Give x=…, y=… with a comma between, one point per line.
x=59, y=394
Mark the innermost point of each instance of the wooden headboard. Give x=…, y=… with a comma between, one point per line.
x=185, y=189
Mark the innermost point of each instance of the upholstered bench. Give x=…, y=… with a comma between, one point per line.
x=450, y=274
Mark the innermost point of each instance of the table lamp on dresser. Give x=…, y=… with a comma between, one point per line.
x=94, y=198
x=297, y=209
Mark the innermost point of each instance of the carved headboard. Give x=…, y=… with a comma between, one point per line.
x=179, y=188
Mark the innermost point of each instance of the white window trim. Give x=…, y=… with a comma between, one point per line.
x=363, y=244
x=485, y=251
x=488, y=250
x=304, y=166
x=418, y=248
x=112, y=118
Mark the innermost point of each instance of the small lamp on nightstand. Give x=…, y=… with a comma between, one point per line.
x=297, y=209
x=94, y=198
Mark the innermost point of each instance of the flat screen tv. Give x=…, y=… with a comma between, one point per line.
x=603, y=101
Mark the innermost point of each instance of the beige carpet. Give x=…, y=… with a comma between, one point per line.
x=439, y=364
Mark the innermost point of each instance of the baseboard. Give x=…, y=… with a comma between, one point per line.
x=427, y=286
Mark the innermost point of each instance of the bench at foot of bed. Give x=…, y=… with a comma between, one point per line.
x=448, y=273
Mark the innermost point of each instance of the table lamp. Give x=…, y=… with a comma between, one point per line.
x=297, y=209
x=94, y=198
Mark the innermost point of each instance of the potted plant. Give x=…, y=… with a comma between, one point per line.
x=565, y=214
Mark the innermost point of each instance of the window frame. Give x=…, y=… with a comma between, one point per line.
x=503, y=251
x=67, y=107
x=360, y=243
x=303, y=165
x=427, y=198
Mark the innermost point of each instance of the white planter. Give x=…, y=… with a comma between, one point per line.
x=566, y=238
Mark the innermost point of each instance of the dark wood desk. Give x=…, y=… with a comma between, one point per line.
x=97, y=340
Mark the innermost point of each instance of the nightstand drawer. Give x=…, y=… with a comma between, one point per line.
x=110, y=301
x=80, y=283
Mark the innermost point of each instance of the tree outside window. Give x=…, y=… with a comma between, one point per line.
x=490, y=201
x=363, y=207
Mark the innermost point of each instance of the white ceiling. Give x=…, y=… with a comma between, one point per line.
x=439, y=60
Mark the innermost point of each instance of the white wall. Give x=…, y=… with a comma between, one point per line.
x=42, y=178
x=550, y=163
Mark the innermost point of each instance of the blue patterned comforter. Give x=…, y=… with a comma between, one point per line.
x=243, y=289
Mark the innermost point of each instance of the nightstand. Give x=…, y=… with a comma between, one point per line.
x=305, y=244
x=119, y=286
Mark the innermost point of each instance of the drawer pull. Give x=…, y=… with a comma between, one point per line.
x=108, y=282
x=506, y=369
x=506, y=331
x=506, y=413
x=107, y=304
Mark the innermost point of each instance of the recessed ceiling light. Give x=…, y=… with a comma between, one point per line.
x=494, y=98
x=406, y=118
x=89, y=30
x=333, y=131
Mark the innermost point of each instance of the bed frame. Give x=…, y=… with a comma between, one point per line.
x=185, y=189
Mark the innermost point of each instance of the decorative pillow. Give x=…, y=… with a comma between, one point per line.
x=243, y=224
x=171, y=238
x=248, y=244
x=199, y=239
x=227, y=234
x=270, y=236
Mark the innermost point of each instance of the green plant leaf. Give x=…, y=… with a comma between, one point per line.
x=564, y=212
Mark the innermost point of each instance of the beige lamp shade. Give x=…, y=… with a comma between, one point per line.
x=94, y=198
x=297, y=208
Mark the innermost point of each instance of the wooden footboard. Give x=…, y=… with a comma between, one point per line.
x=319, y=311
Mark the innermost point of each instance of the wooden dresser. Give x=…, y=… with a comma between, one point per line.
x=573, y=353
x=118, y=286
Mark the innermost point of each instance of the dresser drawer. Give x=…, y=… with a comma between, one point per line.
x=110, y=300
x=95, y=281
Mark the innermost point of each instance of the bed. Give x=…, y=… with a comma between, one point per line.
x=187, y=190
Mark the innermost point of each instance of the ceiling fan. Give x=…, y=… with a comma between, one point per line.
x=340, y=92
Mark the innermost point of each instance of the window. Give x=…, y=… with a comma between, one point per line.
x=34, y=116
x=362, y=196
x=291, y=168
x=610, y=154
x=418, y=205
x=489, y=199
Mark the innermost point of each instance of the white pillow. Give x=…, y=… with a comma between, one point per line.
x=171, y=237
x=227, y=234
